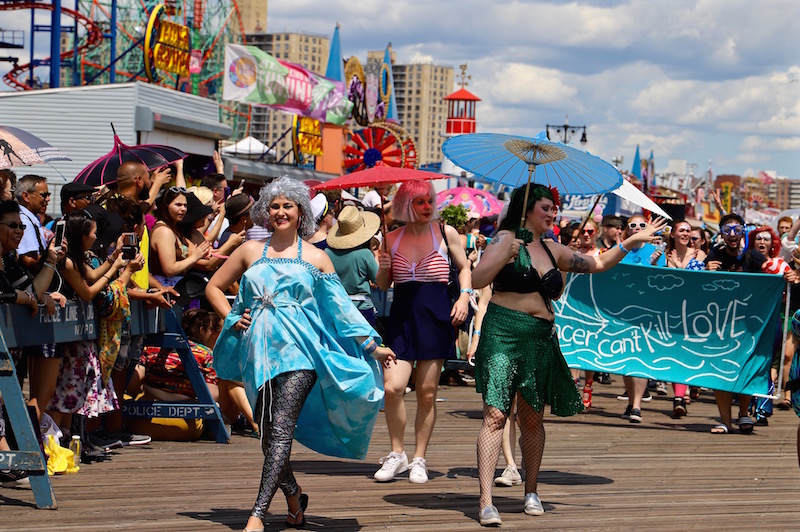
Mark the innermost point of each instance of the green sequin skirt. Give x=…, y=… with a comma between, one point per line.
x=520, y=353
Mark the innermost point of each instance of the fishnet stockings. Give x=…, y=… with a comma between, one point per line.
x=531, y=442
x=490, y=440
x=289, y=392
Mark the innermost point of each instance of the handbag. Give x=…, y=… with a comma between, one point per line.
x=453, y=284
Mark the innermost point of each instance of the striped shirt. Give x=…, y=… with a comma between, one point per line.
x=433, y=268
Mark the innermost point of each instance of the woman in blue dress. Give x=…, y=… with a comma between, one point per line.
x=304, y=353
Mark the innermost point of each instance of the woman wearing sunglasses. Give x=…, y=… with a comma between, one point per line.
x=643, y=253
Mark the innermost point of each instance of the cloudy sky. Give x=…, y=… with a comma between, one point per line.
x=702, y=80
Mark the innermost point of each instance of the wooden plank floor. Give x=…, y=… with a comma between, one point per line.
x=599, y=473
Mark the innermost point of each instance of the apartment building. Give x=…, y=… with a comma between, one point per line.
x=309, y=51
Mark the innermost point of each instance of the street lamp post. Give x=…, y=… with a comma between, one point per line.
x=565, y=132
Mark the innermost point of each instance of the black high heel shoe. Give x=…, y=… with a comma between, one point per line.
x=303, y=505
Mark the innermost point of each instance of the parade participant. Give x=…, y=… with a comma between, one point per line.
x=698, y=239
x=323, y=218
x=519, y=354
x=354, y=262
x=420, y=328
x=610, y=232
x=727, y=257
x=642, y=253
x=293, y=336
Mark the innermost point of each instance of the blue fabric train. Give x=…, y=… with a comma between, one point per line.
x=303, y=319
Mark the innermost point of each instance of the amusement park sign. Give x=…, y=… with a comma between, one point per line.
x=255, y=77
x=166, y=46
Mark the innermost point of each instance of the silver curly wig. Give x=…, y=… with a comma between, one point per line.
x=291, y=189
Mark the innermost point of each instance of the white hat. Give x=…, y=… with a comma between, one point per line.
x=319, y=206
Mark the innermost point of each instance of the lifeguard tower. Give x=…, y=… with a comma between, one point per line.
x=461, y=108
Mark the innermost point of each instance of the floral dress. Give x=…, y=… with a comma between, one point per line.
x=80, y=388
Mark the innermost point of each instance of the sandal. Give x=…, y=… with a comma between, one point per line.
x=720, y=429
x=303, y=505
x=746, y=424
x=587, y=395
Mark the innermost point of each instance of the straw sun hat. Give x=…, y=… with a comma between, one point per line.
x=353, y=228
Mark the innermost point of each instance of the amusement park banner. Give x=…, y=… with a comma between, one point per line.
x=255, y=77
x=701, y=328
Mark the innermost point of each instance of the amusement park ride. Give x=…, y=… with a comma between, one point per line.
x=181, y=45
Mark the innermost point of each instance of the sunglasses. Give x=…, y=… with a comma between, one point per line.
x=732, y=229
x=588, y=231
x=177, y=190
x=14, y=225
x=637, y=225
x=695, y=238
x=766, y=238
x=44, y=195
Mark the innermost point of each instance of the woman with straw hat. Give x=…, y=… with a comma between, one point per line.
x=353, y=260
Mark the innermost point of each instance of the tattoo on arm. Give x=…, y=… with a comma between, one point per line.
x=495, y=240
x=578, y=264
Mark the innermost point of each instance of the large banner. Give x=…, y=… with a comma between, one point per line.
x=253, y=76
x=701, y=328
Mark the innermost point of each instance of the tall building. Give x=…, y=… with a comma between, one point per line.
x=309, y=51
x=254, y=15
x=420, y=90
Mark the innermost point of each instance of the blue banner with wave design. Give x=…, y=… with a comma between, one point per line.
x=711, y=329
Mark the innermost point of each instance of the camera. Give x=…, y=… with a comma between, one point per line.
x=130, y=246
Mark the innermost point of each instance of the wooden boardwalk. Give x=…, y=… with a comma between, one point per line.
x=599, y=473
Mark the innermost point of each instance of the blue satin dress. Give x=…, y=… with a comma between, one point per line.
x=303, y=319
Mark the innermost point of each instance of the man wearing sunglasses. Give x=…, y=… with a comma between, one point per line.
x=728, y=256
x=33, y=198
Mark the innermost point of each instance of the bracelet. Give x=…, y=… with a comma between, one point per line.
x=476, y=332
x=369, y=346
x=467, y=291
x=106, y=277
x=51, y=266
x=622, y=248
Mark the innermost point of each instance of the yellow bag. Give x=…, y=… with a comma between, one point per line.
x=59, y=459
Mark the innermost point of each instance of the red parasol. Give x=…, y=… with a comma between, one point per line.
x=380, y=174
x=104, y=170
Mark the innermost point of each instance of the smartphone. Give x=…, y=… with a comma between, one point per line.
x=241, y=183
x=130, y=246
x=60, y=226
x=227, y=192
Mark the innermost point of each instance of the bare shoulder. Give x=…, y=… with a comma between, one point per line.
x=452, y=233
x=555, y=248
x=501, y=236
x=318, y=258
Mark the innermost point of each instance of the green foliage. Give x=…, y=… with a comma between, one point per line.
x=454, y=215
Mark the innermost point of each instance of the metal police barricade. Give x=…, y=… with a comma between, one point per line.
x=19, y=329
x=162, y=328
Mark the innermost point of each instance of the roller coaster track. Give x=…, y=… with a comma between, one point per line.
x=94, y=37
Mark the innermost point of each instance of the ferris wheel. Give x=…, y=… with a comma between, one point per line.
x=383, y=141
x=211, y=24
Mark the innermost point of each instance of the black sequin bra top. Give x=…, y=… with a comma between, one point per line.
x=548, y=285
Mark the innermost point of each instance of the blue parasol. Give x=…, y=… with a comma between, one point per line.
x=512, y=160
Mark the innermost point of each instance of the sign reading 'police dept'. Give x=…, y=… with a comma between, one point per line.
x=701, y=328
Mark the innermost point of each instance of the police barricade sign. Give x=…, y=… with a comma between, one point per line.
x=710, y=329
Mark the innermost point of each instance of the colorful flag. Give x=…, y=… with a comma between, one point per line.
x=255, y=77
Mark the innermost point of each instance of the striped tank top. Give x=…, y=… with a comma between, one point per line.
x=433, y=268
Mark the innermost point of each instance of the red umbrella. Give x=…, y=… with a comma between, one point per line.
x=104, y=170
x=380, y=174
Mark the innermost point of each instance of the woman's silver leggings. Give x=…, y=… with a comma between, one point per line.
x=277, y=409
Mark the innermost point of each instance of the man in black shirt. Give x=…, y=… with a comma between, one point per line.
x=727, y=258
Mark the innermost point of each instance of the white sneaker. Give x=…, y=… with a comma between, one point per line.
x=510, y=477
x=392, y=464
x=419, y=471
